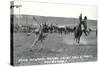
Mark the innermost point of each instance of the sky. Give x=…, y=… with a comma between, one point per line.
x=56, y=10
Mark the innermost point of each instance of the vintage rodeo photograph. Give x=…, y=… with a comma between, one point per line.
x=48, y=33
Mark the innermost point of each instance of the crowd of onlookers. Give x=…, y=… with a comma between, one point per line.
x=23, y=28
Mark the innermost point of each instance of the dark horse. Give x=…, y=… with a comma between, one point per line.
x=79, y=30
x=77, y=33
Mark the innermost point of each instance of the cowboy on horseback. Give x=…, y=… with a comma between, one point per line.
x=82, y=27
x=78, y=30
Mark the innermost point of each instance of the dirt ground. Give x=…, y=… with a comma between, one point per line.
x=53, y=46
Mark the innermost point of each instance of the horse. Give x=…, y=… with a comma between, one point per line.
x=77, y=33
x=79, y=30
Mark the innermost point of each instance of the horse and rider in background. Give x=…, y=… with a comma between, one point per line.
x=81, y=28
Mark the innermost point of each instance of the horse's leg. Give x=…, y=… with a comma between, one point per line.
x=79, y=37
x=75, y=40
x=78, y=40
x=85, y=32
